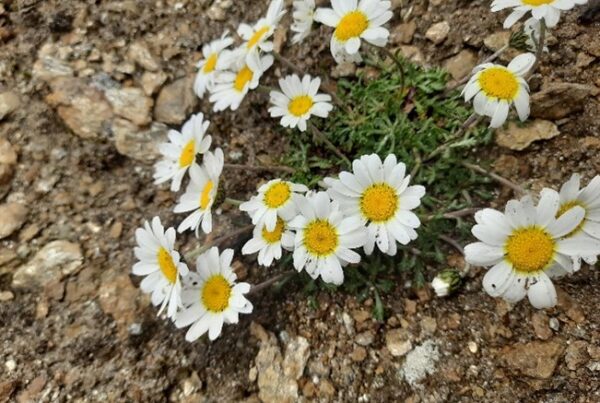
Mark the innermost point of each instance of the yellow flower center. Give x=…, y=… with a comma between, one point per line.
x=351, y=25
x=537, y=3
x=499, y=82
x=529, y=249
x=379, y=202
x=300, y=105
x=187, y=154
x=320, y=238
x=242, y=78
x=274, y=236
x=211, y=63
x=568, y=206
x=254, y=39
x=277, y=194
x=167, y=266
x=215, y=293
x=205, y=195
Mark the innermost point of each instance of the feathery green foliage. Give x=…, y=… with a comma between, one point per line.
x=412, y=122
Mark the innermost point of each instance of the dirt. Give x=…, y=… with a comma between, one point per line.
x=88, y=334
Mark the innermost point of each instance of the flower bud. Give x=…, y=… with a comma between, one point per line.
x=446, y=282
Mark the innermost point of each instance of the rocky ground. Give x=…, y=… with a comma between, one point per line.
x=88, y=88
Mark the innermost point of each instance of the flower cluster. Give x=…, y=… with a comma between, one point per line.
x=530, y=243
x=360, y=209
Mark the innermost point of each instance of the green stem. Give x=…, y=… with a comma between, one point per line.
x=321, y=136
x=272, y=168
x=193, y=254
x=471, y=120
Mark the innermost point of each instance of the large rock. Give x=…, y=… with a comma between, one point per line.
x=131, y=103
x=51, y=264
x=403, y=33
x=175, y=101
x=119, y=298
x=83, y=108
x=12, y=217
x=517, y=137
x=537, y=359
x=438, y=33
x=136, y=143
x=9, y=102
x=558, y=100
x=460, y=66
x=278, y=376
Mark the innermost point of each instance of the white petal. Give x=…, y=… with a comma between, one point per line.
x=542, y=294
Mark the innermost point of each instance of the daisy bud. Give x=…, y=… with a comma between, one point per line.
x=446, y=282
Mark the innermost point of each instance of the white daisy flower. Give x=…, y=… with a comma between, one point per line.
x=231, y=87
x=533, y=29
x=354, y=20
x=160, y=263
x=274, y=199
x=549, y=10
x=269, y=244
x=494, y=88
x=211, y=64
x=588, y=199
x=257, y=36
x=304, y=15
x=181, y=150
x=298, y=101
x=201, y=193
x=378, y=193
x=212, y=297
x=325, y=237
x=525, y=246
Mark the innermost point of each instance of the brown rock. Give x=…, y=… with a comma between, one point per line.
x=118, y=297
x=497, y=40
x=413, y=54
x=9, y=102
x=51, y=64
x=576, y=354
x=7, y=388
x=7, y=153
x=131, y=103
x=438, y=33
x=460, y=66
x=82, y=107
x=365, y=338
x=403, y=33
x=175, y=101
x=151, y=82
x=277, y=377
x=540, y=323
x=136, y=143
x=6, y=296
x=558, y=100
x=52, y=263
x=358, y=354
x=13, y=216
x=518, y=138
x=398, y=342
x=569, y=306
x=139, y=53
x=536, y=359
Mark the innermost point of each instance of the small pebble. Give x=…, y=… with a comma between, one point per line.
x=473, y=347
x=554, y=324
